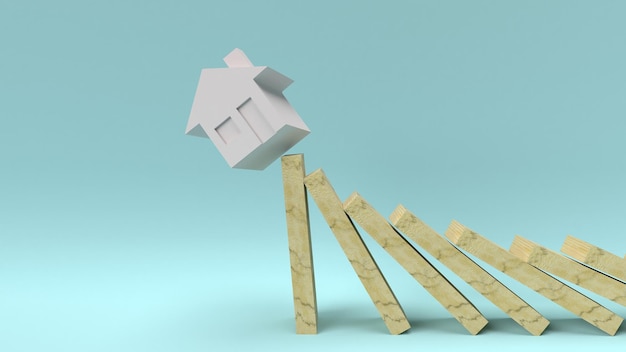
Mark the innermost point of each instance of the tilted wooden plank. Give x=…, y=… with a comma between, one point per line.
x=596, y=257
x=413, y=262
x=299, y=237
x=469, y=271
x=355, y=249
x=568, y=269
x=546, y=285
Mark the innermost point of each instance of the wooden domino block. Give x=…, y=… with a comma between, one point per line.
x=595, y=257
x=299, y=237
x=355, y=249
x=406, y=255
x=570, y=270
x=534, y=278
x=469, y=271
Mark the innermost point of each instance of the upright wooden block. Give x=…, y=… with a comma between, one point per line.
x=570, y=270
x=300, y=253
x=359, y=256
x=595, y=257
x=534, y=278
x=375, y=224
x=469, y=271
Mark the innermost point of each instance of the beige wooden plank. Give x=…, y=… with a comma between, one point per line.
x=534, y=278
x=598, y=258
x=568, y=269
x=299, y=238
x=413, y=262
x=355, y=249
x=469, y=271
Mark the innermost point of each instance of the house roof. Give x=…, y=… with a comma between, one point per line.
x=218, y=86
x=272, y=80
x=266, y=77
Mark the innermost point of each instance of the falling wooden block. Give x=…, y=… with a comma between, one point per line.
x=299, y=237
x=534, y=278
x=375, y=224
x=469, y=271
x=595, y=257
x=570, y=270
x=359, y=256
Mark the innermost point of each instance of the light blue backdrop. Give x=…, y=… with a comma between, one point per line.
x=120, y=233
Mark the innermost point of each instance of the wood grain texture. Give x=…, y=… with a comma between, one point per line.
x=355, y=249
x=299, y=236
x=568, y=269
x=546, y=285
x=469, y=271
x=598, y=258
x=413, y=262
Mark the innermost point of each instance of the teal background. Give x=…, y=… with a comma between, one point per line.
x=120, y=233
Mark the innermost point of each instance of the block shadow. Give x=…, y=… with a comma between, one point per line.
x=576, y=326
x=349, y=319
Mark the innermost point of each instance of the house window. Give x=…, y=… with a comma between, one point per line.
x=256, y=120
x=228, y=130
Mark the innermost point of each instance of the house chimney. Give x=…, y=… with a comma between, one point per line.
x=237, y=58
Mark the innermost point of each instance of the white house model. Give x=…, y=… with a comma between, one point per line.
x=243, y=111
